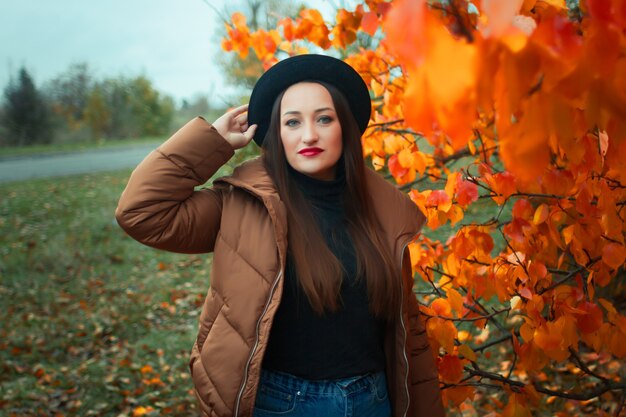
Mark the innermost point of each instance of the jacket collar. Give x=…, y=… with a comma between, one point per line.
x=398, y=215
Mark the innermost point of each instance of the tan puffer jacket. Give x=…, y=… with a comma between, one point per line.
x=242, y=220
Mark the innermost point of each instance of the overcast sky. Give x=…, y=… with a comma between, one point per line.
x=172, y=42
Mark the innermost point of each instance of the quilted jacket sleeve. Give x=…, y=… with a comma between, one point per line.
x=160, y=206
x=424, y=389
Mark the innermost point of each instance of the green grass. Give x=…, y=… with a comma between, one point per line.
x=18, y=151
x=83, y=307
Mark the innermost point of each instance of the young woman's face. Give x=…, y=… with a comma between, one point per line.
x=310, y=130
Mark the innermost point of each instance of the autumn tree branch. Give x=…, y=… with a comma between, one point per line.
x=517, y=386
x=491, y=343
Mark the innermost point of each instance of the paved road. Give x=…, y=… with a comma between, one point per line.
x=23, y=168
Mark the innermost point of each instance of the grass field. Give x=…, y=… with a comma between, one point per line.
x=92, y=323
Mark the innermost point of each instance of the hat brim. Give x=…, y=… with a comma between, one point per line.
x=309, y=67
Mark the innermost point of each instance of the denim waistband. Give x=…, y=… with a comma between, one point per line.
x=322, y=387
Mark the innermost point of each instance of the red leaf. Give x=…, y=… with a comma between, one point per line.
x=525, y=292
x=439, y=199
x=591, y=320
x=466, y=192
x=450, y=369
x=523, y=209
x=369, y=23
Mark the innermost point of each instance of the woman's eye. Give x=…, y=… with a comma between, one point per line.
x=291, y=123
x=325, y=119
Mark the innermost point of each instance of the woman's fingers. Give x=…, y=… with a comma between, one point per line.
x=249, y=132
x=241, y=121
x=237, y=111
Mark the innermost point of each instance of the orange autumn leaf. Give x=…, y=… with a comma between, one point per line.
x=154, y=381
x=238, y=19
x=456, y=300
x=443, y=332
x=401, y=175
x=238, y=35
x=516, y=407
x=404, y=28
x=555, y=338
x=450, y=369
x=264, y=44
x=311, y=26
x=614, y=255
x=142, y=411
x=503, y=185
x=442, y=307
x=437, y=93
x=412, y=158
x=288, y=29
x=456, y=395
x=344, y=32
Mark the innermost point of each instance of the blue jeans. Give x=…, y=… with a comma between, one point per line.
x=285, y=395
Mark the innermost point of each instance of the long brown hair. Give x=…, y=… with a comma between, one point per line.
x=321, y=276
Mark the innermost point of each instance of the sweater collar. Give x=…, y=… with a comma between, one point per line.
x=331, y=191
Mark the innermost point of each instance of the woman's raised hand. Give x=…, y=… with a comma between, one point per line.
x=233, y=126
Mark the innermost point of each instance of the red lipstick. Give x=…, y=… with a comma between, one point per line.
x=310, y=151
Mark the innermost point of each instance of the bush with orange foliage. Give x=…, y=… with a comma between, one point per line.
x=516, y=109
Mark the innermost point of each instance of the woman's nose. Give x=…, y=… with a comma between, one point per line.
x=309, y=135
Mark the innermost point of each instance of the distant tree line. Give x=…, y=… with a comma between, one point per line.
x=75, y=107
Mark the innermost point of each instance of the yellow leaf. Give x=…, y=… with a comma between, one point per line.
x=467, y=352
x=568, y=234
x=559, y=4
x=455, y=214
x=405, y=158
x=541, y=214
x=456, y=300
x=451, y=183
x=419, y=162
x=141, y=411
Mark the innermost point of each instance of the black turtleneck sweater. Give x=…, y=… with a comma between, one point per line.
x=338, y=344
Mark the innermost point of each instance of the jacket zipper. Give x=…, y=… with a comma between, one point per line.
x=258, y=323
x=406, y=359
x=256, y=344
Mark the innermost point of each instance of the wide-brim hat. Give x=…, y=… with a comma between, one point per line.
x=309, y=67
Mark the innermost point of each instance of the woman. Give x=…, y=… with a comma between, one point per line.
x=310, y=311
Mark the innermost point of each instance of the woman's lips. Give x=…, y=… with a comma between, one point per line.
x=310, y=151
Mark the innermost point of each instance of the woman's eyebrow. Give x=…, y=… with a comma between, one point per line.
x=316, y=111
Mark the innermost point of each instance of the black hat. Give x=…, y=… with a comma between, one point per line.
x=309, y=67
